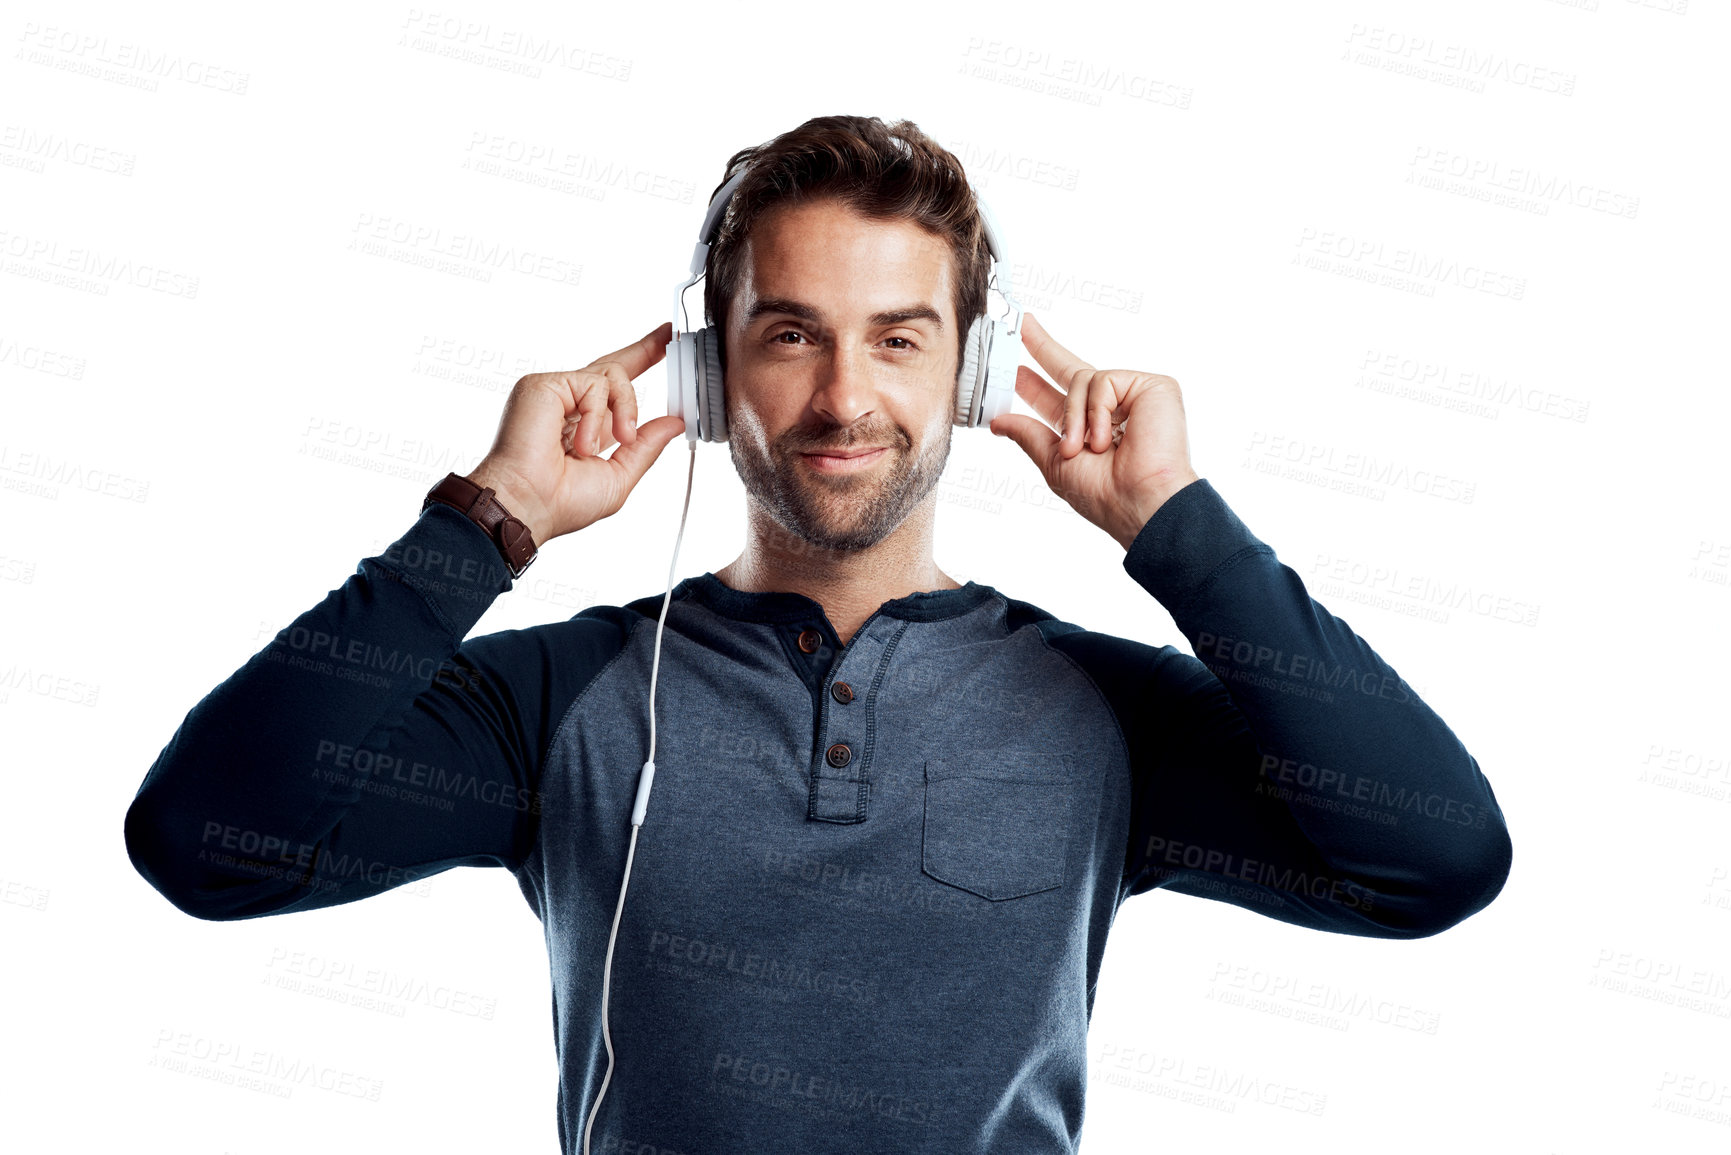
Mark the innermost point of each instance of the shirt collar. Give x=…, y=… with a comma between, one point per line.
x=781, y=606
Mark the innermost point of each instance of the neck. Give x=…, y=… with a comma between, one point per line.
x=850, y=585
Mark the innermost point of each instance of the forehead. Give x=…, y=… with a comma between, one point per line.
x=824, y=252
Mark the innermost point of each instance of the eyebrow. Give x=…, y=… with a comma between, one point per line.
x=765, y=305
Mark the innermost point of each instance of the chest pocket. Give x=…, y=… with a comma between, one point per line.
x=999, y=824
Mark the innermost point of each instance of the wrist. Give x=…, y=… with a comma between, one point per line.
x=480, y=502
x=518, y=501
x=1143, y=510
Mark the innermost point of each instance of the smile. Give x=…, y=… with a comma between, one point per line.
x=831, y=463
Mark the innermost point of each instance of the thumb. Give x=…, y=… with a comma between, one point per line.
x=652, y=437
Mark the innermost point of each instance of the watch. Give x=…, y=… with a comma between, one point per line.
x=481, y=506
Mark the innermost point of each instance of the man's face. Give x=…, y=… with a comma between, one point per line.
x=841, y=338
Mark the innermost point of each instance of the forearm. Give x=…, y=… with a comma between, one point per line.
x=1376, y=782
x=235, y=814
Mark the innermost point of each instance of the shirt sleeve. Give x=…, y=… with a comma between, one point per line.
x=366, y=745
x=1286, y=768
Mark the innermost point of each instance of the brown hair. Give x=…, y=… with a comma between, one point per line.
x=885, y=172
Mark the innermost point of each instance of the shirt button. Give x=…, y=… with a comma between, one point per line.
x=841, y=692
x=838, y=755
x=810, y=640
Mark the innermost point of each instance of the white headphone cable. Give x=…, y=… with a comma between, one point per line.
x=642, y=804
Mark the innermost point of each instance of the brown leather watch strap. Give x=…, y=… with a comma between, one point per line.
x=516, y=544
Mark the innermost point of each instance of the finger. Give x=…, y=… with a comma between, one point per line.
x=1104, y=402
x=605, y=440
x=1040, y=395
x=592, y=412
x=537, y=401
x=625, y=415
x=1075, y=415
x=640, y=354
x=623, y=401
x=1069, y=371
x=1060, y=364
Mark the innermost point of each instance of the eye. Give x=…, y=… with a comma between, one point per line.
x=777, y=339
x=906, y=344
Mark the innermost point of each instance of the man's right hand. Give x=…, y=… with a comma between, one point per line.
x=546, y=464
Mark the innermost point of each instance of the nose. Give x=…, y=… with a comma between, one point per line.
x=846, y=388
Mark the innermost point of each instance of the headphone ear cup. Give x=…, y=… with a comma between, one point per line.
x=997, y=372
x=711, y=401
x=970, y=383
x=682, y=381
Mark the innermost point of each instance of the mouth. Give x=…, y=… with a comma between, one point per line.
x=842, y=460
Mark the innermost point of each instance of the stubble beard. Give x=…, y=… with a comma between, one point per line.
x=843, y=512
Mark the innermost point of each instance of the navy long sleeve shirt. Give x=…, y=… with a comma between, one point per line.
x=871, y=895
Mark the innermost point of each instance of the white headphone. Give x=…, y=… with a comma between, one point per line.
x=984, y=388
x=983, y=391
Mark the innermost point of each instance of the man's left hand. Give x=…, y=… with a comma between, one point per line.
x=1119, y=449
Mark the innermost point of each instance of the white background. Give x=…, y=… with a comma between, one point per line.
x=1431, y=251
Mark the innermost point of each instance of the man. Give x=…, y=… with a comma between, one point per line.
x=893, y=816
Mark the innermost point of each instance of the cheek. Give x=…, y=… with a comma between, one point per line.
x=748, y=420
